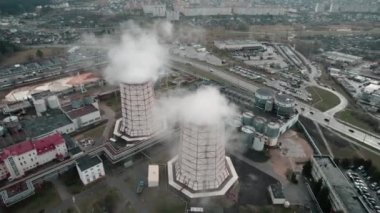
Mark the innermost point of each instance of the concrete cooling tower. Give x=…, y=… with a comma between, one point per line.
x=137, y=102
x=201, y=168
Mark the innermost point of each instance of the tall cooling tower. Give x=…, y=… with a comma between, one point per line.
x=201, y=163
x=137, y=102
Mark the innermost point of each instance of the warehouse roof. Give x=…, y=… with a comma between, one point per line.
x=42, y=94
x=50, y=120
x=87, y=162
x=76, y=113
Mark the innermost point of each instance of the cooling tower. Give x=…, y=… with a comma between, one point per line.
x=201, y=168
x=137, y=102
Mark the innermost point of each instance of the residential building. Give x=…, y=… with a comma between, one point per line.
x=90, y=169
x=19, y=158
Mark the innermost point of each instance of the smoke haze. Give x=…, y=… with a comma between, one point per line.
x=206, y=106
x=139, y=55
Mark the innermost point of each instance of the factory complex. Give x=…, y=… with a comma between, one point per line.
x=271, y=115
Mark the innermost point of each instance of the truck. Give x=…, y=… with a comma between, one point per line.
x=140, y=187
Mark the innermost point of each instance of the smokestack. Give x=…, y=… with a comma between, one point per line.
x=201, y=168
x=137, y=102
x=201, y=161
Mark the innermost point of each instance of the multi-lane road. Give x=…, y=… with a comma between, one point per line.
x=324, y=118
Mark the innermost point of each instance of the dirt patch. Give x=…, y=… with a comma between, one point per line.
x=29, y=55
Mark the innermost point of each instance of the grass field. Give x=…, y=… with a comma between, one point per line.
x=47, y=197
x=323, y=99
x=96, y=132
x=30, y=55
x=352, y=118
x=114, y=103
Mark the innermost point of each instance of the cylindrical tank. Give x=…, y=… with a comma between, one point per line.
x=284, y=105
x=263, y=95
x=269, y=106
x=258, y=143
x=259, y=124
x=247, y=118
x=12, y=123
x=88, y=100
x=235, y=123
x=77, y=103
x=2, y=131
x=53, y=102
x=272, y=130
x=40, y=106
x=248, y=132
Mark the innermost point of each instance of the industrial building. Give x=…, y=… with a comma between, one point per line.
x=238, y=44
x=342, y=195
x=137, y=102
x=90, y=169
x=201, y=168
x=54, y=116
x=338, y=57
x=270, y=117
x=157, y=10
x=371, y=95
x=19, y=158
x=153, y=175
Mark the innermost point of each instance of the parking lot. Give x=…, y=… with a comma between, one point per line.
x=368, y=188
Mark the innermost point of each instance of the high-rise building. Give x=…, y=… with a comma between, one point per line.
x=137, y=102
x=201, y=168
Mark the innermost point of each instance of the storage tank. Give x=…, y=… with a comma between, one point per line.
x=12, y=123
x=53, y=102
x=259, y=124
x=272, y=130
x=247, y=118
x=269, y=106
x=248, y=132
x=258, y=142
x=2, y=131
x=235, y=123
x=263, y=95
x=88, y=100
x=284, y=105
x=40, y=106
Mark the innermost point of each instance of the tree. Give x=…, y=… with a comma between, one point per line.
x=345, y=163
x=39, y=53
x=316, y=187
x=306, y=169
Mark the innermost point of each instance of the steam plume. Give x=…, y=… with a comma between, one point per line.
x=138, y=57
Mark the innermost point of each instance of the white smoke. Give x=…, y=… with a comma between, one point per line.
x=206, y=106
x=139, y=56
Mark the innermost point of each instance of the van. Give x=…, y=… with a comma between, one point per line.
x=113, y=140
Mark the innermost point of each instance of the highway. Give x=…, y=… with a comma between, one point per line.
x=324, y=118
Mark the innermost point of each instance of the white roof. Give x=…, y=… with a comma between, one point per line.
x=153, y=172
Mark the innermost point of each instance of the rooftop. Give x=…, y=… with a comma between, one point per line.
x=87, y=162
x=339, y=184
x=41, y=145
x=76, y=113
x=277, y=190
x=41, y=95
x=48, y=122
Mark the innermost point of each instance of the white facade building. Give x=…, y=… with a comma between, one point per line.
x=153, y=176
x=158, y=10
x=201, y=168
x=90, y=169
x=137, y=102
x=15, y=160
